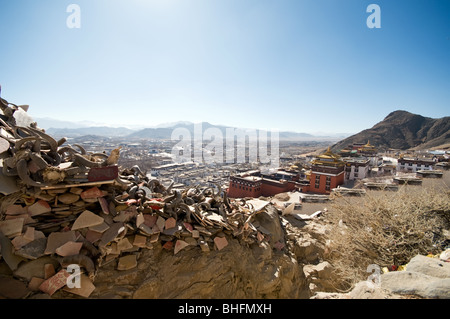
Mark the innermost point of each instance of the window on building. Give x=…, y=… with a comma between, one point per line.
x=356, y=169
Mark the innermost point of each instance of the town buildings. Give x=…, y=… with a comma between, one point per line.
x=327, y=172
x=412, y=165
x=356, y=168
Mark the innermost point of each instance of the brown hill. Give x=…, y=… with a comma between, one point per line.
x=403, y=130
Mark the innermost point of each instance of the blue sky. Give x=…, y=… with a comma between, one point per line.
x=300, y=65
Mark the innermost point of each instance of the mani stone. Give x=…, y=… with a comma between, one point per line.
x=104, y=205
x=170, y=223
x=127, y=262
x=68, y=198
x=51, y=285
x=8, y=256
x=39, y=208
x=160, y=223
x=87, y=219
x=11, y=227
x=140, y=241
x=58, y=239
x=16, y=210
x=91, y=193
x=221, y=242
x=34, y=249
x=179, y=245
x=35, y=268
x=68, y=249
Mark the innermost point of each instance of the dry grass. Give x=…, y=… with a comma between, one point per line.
x=386, y=228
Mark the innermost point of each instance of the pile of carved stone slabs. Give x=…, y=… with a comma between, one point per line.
x=84, y=224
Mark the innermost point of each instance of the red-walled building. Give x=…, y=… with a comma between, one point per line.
x=254, y=186
x=327, y=172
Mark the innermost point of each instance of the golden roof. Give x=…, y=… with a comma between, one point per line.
x=368, y=145
x=328, y=159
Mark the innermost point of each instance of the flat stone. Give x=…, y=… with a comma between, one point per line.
x=57, y=239
x=104, y=205
x=39, y=208
x=34, y=283
x=34, y=268
x=154, y=238
x=93, y=236
x=19, y=241
x=69, y=249
x=170, y=223
x=113, y=249
x=29, y=234
x=68, y=198
x=150, y=220
x=91, y=193
x=79, y=203
x=100, y=228
x=12, y=227
x=86, y=287
x=191, y=241
x=49, y=271
x=113, y=231
x=140, y=219
x=87, y=219
x=125, y=216
x=12, y=288
x=51, y=285
x=16, y=210
x=127, y=262
x=140, y=241
x=34, y=249
x=173, y=231
x=76, y=190
x=220, y=242
x=188, y=227
x=57, y=191
x=160, y=223
x=8, y=256
x=179, y=245
x=195, y=233
x=24, y=239
x=124, y=244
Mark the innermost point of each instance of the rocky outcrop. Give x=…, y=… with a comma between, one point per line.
x=424, y=277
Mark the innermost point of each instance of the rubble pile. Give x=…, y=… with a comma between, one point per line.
x=62, y=206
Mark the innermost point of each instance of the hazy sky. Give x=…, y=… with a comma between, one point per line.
x=300, y=65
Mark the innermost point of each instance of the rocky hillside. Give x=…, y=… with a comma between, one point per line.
x=403, y=130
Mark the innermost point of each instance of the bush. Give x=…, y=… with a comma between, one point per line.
x=386, y=228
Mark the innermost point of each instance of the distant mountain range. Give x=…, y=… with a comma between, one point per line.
x=163, y=131
x=403, y=130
